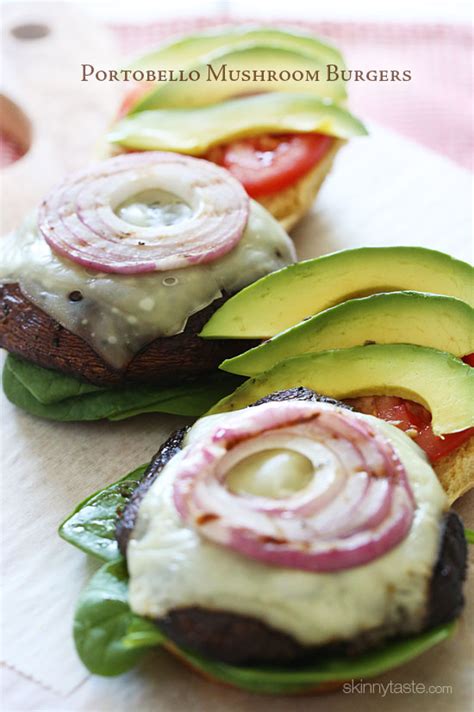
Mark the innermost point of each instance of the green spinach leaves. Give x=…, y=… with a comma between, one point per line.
x=56, y=396
x=109, y=638
x=91, y=527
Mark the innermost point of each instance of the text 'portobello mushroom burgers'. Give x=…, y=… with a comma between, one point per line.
x=108, y=285
x=284, y=547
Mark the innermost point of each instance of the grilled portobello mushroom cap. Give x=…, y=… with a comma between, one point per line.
x=27, y=331
x=243, y=640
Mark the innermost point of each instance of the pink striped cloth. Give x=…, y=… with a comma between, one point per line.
x=434, y=108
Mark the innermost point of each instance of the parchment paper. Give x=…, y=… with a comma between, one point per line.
x=383, y=191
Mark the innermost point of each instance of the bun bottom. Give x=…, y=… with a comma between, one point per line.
x=288, y=206
x=456, y=470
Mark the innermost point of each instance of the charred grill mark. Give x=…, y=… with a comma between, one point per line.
x=206, y=519
x=127, y=518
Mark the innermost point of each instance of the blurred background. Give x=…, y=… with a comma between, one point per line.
x=432, y=38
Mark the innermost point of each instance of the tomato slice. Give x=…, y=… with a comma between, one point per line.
x=401, y=412
x=267, y=164
x=412, y=417
x=436, y=447
x=469, y=359
x=263, y=164
x=137, y=91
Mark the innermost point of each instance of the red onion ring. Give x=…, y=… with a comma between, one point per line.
x=357, y=506
x=77, y=219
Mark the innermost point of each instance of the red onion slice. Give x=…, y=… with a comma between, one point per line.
x=78, y=220
x=328, y=555
x=356, y=507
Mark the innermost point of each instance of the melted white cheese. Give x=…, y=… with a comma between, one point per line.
x=171, y=566
x=273, y=473
x=153, y=207
x=119, y=314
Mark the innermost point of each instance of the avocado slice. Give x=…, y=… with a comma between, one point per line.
x=212, y=86
x=299, y=291
x=185, y=51
x=437, y=380
x=194, y=131
x=443, y=323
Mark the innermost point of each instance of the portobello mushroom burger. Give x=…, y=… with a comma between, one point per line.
x=281, y=548
x=266, y=103
x=106, y=287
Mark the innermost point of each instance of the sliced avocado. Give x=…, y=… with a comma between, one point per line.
x=194, y=131
x=212, y=86
x=437, y=380
x=443, y=323
x=299, y=291
x=185, y=51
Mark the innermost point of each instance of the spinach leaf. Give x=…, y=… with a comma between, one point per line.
x=34, y=389
x=109, y=638
x=192, y=400
x=44, y=385
x=91, y=527
x=311, y=676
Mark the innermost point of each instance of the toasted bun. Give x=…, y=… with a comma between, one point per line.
x=456, y=470
x=29, y=332
x=289, y=205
